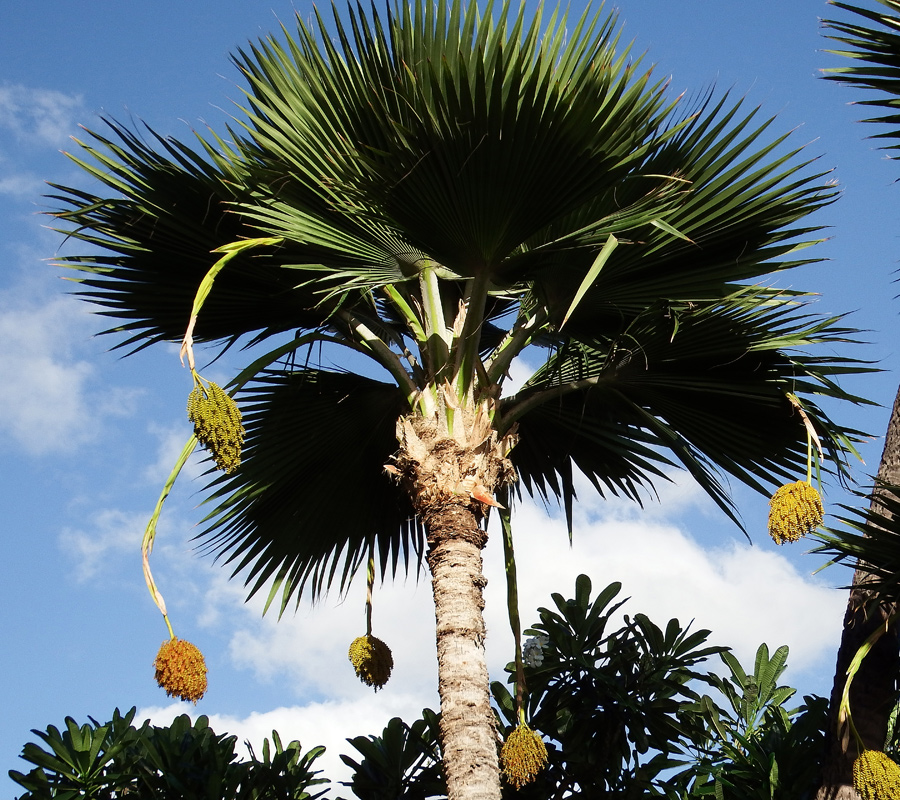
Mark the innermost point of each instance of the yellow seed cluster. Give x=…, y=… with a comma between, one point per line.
x=217, y=424
x=876, y=777
x=794, y=510
x=181, y=670
x=523, y=756
x=372, y=660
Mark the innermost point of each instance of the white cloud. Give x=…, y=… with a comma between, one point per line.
x=745, y=594
x=43, y=395
x=109, y=532
x=52, y=399
x=23, y=184
x=172, y=440
x=38, y=116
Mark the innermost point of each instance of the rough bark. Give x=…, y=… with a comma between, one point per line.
x=451, y=463
x=873, y=691
x=468, y=736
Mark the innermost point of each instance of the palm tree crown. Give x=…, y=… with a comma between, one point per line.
x=437, y=189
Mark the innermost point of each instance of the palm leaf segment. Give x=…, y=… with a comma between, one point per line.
x=444, y=189
x=875, y=60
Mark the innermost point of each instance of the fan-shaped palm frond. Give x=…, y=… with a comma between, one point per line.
x=699, y=381
x=869, y=537
x=875, y=53
x=313, y=493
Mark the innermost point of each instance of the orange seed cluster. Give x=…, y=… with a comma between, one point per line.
x=181, y=670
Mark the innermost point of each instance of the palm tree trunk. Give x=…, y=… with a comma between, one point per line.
x=468, y=736
x=451, y=467
x=873, y=692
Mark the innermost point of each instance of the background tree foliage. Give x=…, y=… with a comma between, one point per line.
x=185, y=760
x=628, y=710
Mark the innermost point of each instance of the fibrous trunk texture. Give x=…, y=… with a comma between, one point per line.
x=468, y=736
x=451, y=463
x=873, y=691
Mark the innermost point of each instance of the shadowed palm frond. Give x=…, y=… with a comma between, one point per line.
x=312, y=492
x=874, y=51
x=707, y=383
x=869, y=537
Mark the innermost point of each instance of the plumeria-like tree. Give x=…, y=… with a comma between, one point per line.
x=435, y=190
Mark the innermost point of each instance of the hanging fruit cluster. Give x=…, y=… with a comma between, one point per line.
x=181, y=670
x=217, y=423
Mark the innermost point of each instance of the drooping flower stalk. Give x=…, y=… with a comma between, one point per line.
x=523, y=754
x=512, y=599
x=845, y=716
x=371, y=658
x=179, y=665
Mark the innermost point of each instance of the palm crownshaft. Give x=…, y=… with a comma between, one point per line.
x=439, y=192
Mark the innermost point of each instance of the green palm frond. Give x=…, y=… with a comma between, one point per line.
x=312, y=491
x=156, y=243
x=740, y=213
x=465, y=140
x=699, y=381
x=875, y=53
x=868, y=535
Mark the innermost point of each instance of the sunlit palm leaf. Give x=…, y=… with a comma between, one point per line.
x=465, y=150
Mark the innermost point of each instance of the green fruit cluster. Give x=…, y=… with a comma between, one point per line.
x=372, y=660
x=217, y=424
x=876, y=777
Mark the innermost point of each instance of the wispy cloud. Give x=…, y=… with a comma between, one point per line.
x=171, y=441
x=108, y=532
x=22, y=185
x=44, y=405
x=38, y=116
x=744, y=594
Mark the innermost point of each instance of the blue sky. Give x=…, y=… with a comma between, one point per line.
x=87, y=437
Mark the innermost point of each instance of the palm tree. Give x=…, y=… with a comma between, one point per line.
x=875, y=54
x=420, y=196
